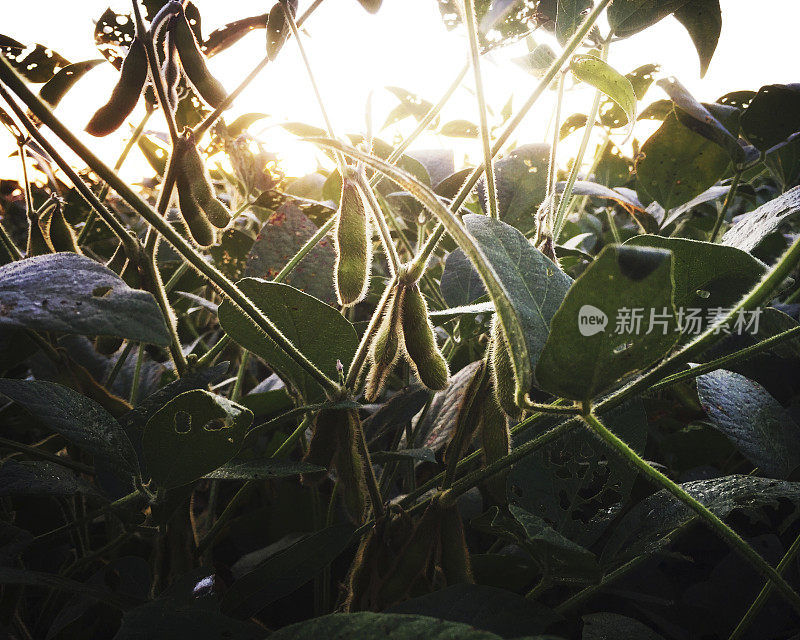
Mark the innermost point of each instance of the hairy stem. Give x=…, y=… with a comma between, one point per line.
x=726, y=205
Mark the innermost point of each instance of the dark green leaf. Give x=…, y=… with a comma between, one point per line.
x=40, y=478
x=265, y=469
x=753, y=420
x=521, y=181
x=75, y=417
x=9, y=575
x=36, y=64
x=460, y=283
x=68, y=293
x=575, y=483
x=320, y=332
x=603, y=626
x=569, y=16
x=753, y=227
x=193, y=434
x=57, y=87
x=703, y=20
x=286, y=571
x=628, y=17
x=591, y=344
x=534, y=285
x=284, y=234
x=679, y=164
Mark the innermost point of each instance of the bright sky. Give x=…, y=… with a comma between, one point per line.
x=405, y=45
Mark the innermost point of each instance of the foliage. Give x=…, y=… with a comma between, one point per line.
x=199, y=441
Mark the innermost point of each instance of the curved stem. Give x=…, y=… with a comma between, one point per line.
x=383, y=230
x=726, y=205
x=709, y=517
x=543, y=228
x=475, y=54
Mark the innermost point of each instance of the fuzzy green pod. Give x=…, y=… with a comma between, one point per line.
x=349, y=465
x=125, y=95
x=323, y=443
x=496, y=442
x=420, y=341
x=455, y=559
x=199, y=227
x=194, y=63
x=278, y=29
x=467, y=418
x=503, y=381
x=171, y=65
x=353, y=244
x=194, y=171
x=385, y=348
x=56, y=228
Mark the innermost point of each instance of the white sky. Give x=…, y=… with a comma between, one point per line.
x=406, y=45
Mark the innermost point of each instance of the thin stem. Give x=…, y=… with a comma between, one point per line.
x=8, y=243
x=119, y=364
x=726, y=205
x=765, y=593
x=386, y=237
x=137, y=375
x=208, y=358
x=46, y=455
x=709, y=517
x=719, y=363
x=566, y=196
x=551, y=72
x=10, y=77
x=475, y=54
x=329, y=126
x=236, y=392
x=543, y=229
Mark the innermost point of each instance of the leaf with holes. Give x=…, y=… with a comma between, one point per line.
x=616, y=320
x=752, y=228
x=611, y=82
x=193, y=434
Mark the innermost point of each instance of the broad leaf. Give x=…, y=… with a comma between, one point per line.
x=604, y=77
x=57, y=86
x=40, y=478
x=534, y=284
x=460, y=283
x=320, y=332
x=460, y=129
x=575, y=483
x=602, y=626
x=762, y=430
x=521, y=181
x=628, y=17
x=75, y=417
x=68, y=293
x=286, y=571
x=703, y=20
x=193, y=434
x=25, y=577
x=616, y=320
x=569, y=17
x=679, y=164
x=266, y=469
x=36, y=64
x=753, y=227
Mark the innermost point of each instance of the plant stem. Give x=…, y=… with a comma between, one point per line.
x=710, y=518
x=9, y=76
x=726, y=205
x=544, y=229
x=8, y=243
x=112, y=375
x=765, y=593
x=472, y=33
x=137, y=375
x=208, y=358
x=46, y=455
x=551, y=72
x=566, y=196
x=385, y=235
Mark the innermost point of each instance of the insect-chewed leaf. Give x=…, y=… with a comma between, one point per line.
x=193, y=434
x=757, y=225
x=278, y=28
x=353, y=245
x=420, y=342
x=125, y=95
x=194, y=64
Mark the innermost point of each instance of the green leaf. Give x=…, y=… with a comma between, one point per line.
x=569, y=17
x=706, y=275
x=521, y=182
x=75, y=417
x=679, y=164
x=753, y=420
x=699, y=119
x=265, y=469
x=155, y=152
x=602, y=626
x=283, y=235
x=35, y=63
x=386, y=626
x=68, y=293
x=499, y=611
x=41, y=478
x=193, y=434
x=286, y=571
x=57, y=86
x=602, y=76
x=320, y=332
x=611, y=114
x=644, y=529
x=703, y=20
x=538, y=61
x=535, y=285
x=500, y=21
x=575, y=484
x=460, y=129
x=585, y=354
x=10, y=575
x=628, y=17
x=460, y=284
x=755, y=226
